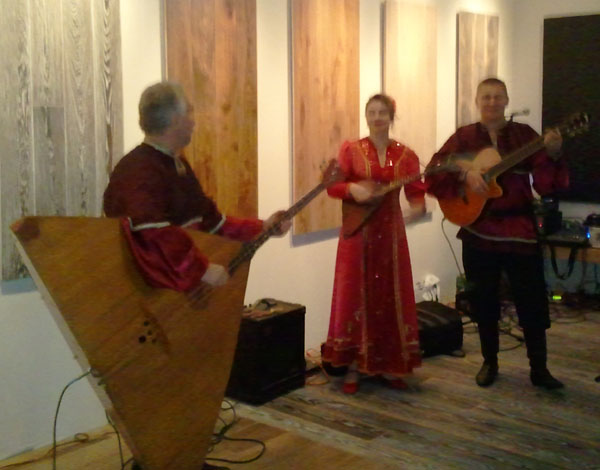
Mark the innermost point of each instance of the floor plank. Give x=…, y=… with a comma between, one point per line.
x=443, y=421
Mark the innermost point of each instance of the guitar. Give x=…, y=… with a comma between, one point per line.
x=465, y=208
x=355, y=215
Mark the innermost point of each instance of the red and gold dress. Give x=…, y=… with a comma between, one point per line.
x=373, y=316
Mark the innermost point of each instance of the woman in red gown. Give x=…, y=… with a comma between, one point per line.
x=373, y=326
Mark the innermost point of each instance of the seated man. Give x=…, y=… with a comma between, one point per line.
x=155, y=187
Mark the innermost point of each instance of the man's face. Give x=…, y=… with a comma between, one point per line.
x=491, y=101
x=182, y=126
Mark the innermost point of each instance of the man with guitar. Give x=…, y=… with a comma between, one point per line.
x=155, y=191
x=498, y=231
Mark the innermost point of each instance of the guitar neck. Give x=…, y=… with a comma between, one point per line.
x=250, y=248
x=515, y=157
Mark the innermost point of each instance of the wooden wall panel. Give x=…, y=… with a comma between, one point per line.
x=60, y=117
x=48, y=107
x=50, y=171
x=79, y=115
x=477, y=59
x=108, y=91
x=211, y=51
x=326, y=104
x=16, y=119
x=410, y=73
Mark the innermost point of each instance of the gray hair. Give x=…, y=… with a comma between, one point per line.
x=158, y=104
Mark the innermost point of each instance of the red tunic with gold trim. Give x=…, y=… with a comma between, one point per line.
x=373, y=316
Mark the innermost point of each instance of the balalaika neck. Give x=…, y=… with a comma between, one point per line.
x=249, y=248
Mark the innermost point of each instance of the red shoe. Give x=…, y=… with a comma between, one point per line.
x=397, y=383
x=350, y=388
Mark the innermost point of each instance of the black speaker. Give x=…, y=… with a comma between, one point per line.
x=269, y=358
x=440, y=328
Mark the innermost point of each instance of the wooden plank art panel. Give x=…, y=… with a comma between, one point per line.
x=211, y=51
x=410, y=64
x=326, y=104
x=477, y=59
x=61, y=116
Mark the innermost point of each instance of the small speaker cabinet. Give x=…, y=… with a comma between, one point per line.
x=269, y=358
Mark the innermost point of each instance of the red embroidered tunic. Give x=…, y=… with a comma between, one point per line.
x=373, y=317
x=506, y=223
x=146, y=188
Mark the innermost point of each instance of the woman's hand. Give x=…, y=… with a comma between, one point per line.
x=415, y=212
x=365, y=191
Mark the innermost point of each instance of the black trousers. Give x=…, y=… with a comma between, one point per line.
x=483, y=270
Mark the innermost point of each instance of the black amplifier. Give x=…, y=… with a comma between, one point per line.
x=269, y=358
x=440, y=329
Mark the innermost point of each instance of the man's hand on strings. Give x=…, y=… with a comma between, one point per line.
x=553, y=142
x=280, y=227
x=215, y=275
x=474, y=181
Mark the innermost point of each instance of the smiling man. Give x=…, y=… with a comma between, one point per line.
x=503, y=237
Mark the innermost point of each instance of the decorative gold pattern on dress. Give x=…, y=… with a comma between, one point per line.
x=397, y=168
x=397, y=222
x=364, y=153
x=363, y=293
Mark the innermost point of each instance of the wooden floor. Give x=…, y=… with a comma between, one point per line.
x=444, y=421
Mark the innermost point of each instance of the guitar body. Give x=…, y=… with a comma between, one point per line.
x=160, y=365
x=464, y=209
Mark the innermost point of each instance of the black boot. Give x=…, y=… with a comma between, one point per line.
x=535, y=340
x=488, y=335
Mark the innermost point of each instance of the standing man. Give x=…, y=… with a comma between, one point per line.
x=154, y=187
x=503, y=238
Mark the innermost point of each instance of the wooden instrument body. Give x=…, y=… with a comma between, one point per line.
x=465, y=208
x=355, y=215
x=160, y=365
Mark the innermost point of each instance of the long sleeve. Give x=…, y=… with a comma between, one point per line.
x=414, y=191
x=444, y=184
x=549, y=175
x=241, y=229
x=154, y=202
x=341, y=190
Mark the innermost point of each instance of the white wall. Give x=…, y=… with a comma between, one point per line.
x=296, y=269
x=430, y=252
x=35, y=361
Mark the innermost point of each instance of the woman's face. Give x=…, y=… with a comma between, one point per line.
x=378, y=116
